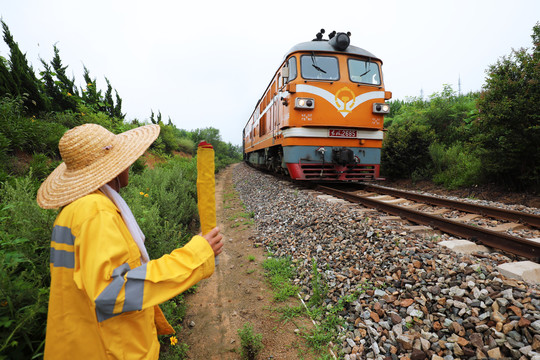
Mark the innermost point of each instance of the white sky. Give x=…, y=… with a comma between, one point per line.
x=206, y=63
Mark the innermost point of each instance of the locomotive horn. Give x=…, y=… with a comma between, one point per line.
x=341, y=41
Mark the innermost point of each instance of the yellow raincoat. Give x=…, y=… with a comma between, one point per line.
x=102, y=300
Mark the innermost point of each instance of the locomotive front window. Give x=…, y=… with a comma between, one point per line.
x=365, y=72
x=319, y=67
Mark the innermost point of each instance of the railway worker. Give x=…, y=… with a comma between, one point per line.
x=105, y=290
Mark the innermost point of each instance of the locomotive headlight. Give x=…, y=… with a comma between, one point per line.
x=379, y=108
x=304, y=103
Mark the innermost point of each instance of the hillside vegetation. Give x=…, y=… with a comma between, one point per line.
x=35, y=111
x=489, y=137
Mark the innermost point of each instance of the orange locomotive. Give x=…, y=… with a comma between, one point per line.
x=321, y=117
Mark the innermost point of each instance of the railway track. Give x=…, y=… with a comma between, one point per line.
x=524, y=247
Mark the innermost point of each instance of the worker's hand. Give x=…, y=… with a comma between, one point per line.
x=214, y=239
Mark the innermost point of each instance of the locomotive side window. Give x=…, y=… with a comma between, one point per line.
x=365, y=72
x=292, y=69
x=319, y=67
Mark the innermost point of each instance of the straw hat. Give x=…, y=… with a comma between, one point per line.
x=92, y=156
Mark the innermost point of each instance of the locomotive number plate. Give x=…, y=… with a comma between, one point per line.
x=342, y=133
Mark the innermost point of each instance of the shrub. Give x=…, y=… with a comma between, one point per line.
x=406, y=150
x=250, y=342
x=455, y=166
x=25, y=230
x=186, y=145
x=164, y=203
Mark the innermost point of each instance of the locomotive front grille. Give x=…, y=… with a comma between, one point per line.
x=335, y=172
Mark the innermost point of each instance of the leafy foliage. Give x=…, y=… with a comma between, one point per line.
x=34, y=114
x=250, y=342
x=280, y=272
x=509, y=122
x=24, y=269
x=463, y=140
x=405, y=149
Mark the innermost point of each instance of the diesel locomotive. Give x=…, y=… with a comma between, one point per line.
x=321, y=117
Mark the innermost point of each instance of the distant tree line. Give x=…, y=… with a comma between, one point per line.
x=36, y=110
x=489, y=137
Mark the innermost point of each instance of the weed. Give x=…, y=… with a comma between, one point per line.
x=251, y=258
x=319, y=287
x=279, y=273
x=250, y=342
x=290, y=312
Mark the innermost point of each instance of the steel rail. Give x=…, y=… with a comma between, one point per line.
x=499, y=240
x=498, y=213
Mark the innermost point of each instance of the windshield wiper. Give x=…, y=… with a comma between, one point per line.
x=365, y=73
x=314, y=64
x=318, y=68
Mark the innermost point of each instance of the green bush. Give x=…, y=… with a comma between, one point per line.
x=25, y=231
x=406, y=150
x=455, y=166
x=164, y=202
x=250, y=342
x=41, y=166
x=186, y=145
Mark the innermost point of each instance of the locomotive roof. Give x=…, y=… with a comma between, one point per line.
x=323, y=45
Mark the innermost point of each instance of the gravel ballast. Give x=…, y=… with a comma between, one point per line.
x=408, y=297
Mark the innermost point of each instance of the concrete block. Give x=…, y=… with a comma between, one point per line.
x=365, y=210
x=337, y=201
x=325, y=197
x=419, y=229
x=391, y=218
x=527, y=271
x=463, y=246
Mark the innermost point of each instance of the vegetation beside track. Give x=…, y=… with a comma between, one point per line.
x=489, y=137
x=34, y=114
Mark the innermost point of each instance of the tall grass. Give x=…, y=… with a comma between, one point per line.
x=164, y=202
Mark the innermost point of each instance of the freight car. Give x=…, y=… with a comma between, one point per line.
x=321, y=117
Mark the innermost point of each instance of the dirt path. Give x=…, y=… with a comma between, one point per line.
x=237, y=293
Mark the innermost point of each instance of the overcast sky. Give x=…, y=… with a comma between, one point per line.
x=206, y=63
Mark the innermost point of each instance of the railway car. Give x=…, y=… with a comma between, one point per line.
x=321, y=117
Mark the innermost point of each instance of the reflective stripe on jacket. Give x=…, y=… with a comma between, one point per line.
x=102, y=299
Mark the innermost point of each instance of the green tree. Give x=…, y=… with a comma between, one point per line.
x=22, y=80
x=509, y=119
x=60, y=90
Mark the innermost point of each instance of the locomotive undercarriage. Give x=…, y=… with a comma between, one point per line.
x=319, y=163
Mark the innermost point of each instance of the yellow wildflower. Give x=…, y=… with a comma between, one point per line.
x=174, y=340
x=69, y=94
x=145, y=195
x=89, y=84
x=4, y=303
x=141, y=193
